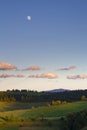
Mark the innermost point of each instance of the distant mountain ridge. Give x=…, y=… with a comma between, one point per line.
x=57, y=90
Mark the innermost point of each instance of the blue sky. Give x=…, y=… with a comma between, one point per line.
x=55, y=40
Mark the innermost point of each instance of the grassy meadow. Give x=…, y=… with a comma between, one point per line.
x=54, y=111
x=36, y=116
x=85, y=128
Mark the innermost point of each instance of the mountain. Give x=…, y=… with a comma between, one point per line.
x=57, y=90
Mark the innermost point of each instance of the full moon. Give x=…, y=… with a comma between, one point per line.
x=29, y=18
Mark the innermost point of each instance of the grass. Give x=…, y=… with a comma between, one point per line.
x=9, y=128
x=48, y=112
x=38, y=128
x=28, y=128
x=54, y=111
x=28, y=117
x=85, y=128
x=10, y=106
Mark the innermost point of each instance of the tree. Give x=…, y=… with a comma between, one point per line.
x=83, y=98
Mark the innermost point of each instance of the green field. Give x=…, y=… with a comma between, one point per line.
x=9, y=128
x=28, y=128
x=38, y=128
x=10, y=106
x=27, y=116
x=84, y=128
x=49, y=112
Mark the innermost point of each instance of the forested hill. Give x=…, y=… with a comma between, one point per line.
x=34, y=96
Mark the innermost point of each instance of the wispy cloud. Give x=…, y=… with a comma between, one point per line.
x=11, y=75
x=44, y=75
x=68, y=68
x=6, y=66
x=82, y=76
x=33, y=68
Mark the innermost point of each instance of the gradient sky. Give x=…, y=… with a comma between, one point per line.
x=47, y=52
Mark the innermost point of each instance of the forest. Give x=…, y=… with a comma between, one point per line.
x=35, y=96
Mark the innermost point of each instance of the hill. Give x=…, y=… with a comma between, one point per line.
x=47, y=116
x=57, y=90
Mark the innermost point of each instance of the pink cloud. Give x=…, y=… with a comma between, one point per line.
x=68, y=68
x=44, y=75
x=33, y=68
x=6, y=75
x=49, y=75
x=11, y=75
x=82, y=76
x=6, y=66
x=19, y=76
x=72, y=67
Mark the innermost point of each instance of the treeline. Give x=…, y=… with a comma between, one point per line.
x=34, y=96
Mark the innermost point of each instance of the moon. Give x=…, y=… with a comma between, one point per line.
x=28, y=18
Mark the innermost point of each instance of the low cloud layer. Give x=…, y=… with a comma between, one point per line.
x=82, y=76
x=11, y=75
x=33, y=68
x=44, y=75
x=68, y=68
x=6, y=66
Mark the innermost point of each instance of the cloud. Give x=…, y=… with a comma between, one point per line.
x=44, y=75
x=6, y=66
x=20, y=76
x=33, y=68
x=82, y=76
x=11, y=75
x=6, y=75
x=49, y=75
x=68, y=68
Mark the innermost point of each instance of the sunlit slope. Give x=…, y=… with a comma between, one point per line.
x=47, y=111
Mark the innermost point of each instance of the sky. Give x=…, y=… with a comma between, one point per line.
x=43, y=44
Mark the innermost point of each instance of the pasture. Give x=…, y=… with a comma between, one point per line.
x=85, y=128
x=38, y=116
x=53, y=111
